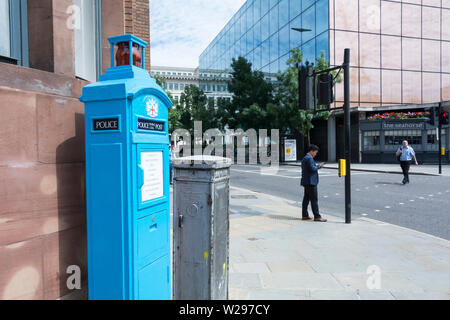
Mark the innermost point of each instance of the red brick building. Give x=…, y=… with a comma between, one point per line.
x=49, y=50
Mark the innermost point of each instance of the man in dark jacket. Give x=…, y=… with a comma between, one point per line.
x=310, y=180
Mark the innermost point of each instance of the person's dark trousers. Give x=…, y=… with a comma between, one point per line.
x=406, y=165
x=311, y=195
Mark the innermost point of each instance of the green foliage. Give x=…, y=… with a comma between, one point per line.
x=248, y=87
x=251, y=95
x=195, y=106
x=291, y=120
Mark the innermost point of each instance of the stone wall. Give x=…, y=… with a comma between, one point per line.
x=42, y=188
x=137, y=22
x=42, y=166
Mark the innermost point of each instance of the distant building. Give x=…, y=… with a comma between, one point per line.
x=176, y=78
x=213, y=84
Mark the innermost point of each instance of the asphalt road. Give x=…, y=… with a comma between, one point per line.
x=423, y=205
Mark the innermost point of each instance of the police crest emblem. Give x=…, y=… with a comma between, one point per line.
x=152, y=108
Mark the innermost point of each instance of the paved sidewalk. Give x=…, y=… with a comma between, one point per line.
x=431, y=170
x=275, y=255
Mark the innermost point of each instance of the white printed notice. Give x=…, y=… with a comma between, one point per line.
x=152, y=165
x=290, y=150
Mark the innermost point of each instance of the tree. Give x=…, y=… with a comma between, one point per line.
x=248, y=87
x=251, y=95
x=296, y=121
x=194, y=105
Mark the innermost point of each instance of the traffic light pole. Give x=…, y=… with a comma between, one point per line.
x=348, y=138
x=308, y=102
x=440, y=138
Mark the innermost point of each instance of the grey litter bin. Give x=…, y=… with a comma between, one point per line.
x=201, y=228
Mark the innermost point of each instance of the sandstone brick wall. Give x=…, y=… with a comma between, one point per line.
x=42, y=188
x=42, y=166
x=137, y=22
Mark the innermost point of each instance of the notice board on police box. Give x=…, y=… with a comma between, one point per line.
x=152, y=165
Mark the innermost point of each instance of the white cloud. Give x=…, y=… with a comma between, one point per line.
x=181, y=30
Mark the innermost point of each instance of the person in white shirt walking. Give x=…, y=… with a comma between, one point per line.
x=407, y=155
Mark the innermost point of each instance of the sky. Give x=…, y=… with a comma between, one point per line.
x=181, y=29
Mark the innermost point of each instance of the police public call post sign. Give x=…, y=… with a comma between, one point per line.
x=127, y=181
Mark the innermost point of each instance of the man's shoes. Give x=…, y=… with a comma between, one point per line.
x=404, y=181
x=306, y=218
x=321, y=220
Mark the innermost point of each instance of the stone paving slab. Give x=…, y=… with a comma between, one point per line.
x=276, y=255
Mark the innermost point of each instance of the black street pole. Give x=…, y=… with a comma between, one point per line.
x=348, y=138
x=440, y=138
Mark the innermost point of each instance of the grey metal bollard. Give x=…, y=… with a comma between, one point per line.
x=201, y=228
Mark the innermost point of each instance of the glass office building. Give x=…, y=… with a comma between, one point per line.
x=400, y=49
x=261, y=31
x=400, y=60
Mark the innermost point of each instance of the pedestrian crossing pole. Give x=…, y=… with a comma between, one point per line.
x=348, y=137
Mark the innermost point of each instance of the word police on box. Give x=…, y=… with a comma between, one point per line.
x=106, y=124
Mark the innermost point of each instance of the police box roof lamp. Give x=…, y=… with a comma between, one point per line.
x=120, y=51
x=127, y=76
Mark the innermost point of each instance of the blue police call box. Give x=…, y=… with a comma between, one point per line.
x=127, y=179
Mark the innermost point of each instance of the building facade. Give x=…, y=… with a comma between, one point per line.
x=49, y=50
x=214, y=84
x=400, y=52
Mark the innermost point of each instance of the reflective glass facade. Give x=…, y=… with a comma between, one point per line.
x=400, y=48
x=261, y=32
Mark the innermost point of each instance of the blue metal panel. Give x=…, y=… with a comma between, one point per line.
x=154, y=280
x=128, y=236
x=105, y=226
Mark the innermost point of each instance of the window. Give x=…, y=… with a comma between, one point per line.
x=176, y=86
x=371, y=140
x=14, y=32
x=394, y=138
x=170, y=86
x=432, y=139
x=88, y=40
x=181, y=87
x=5, y=43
